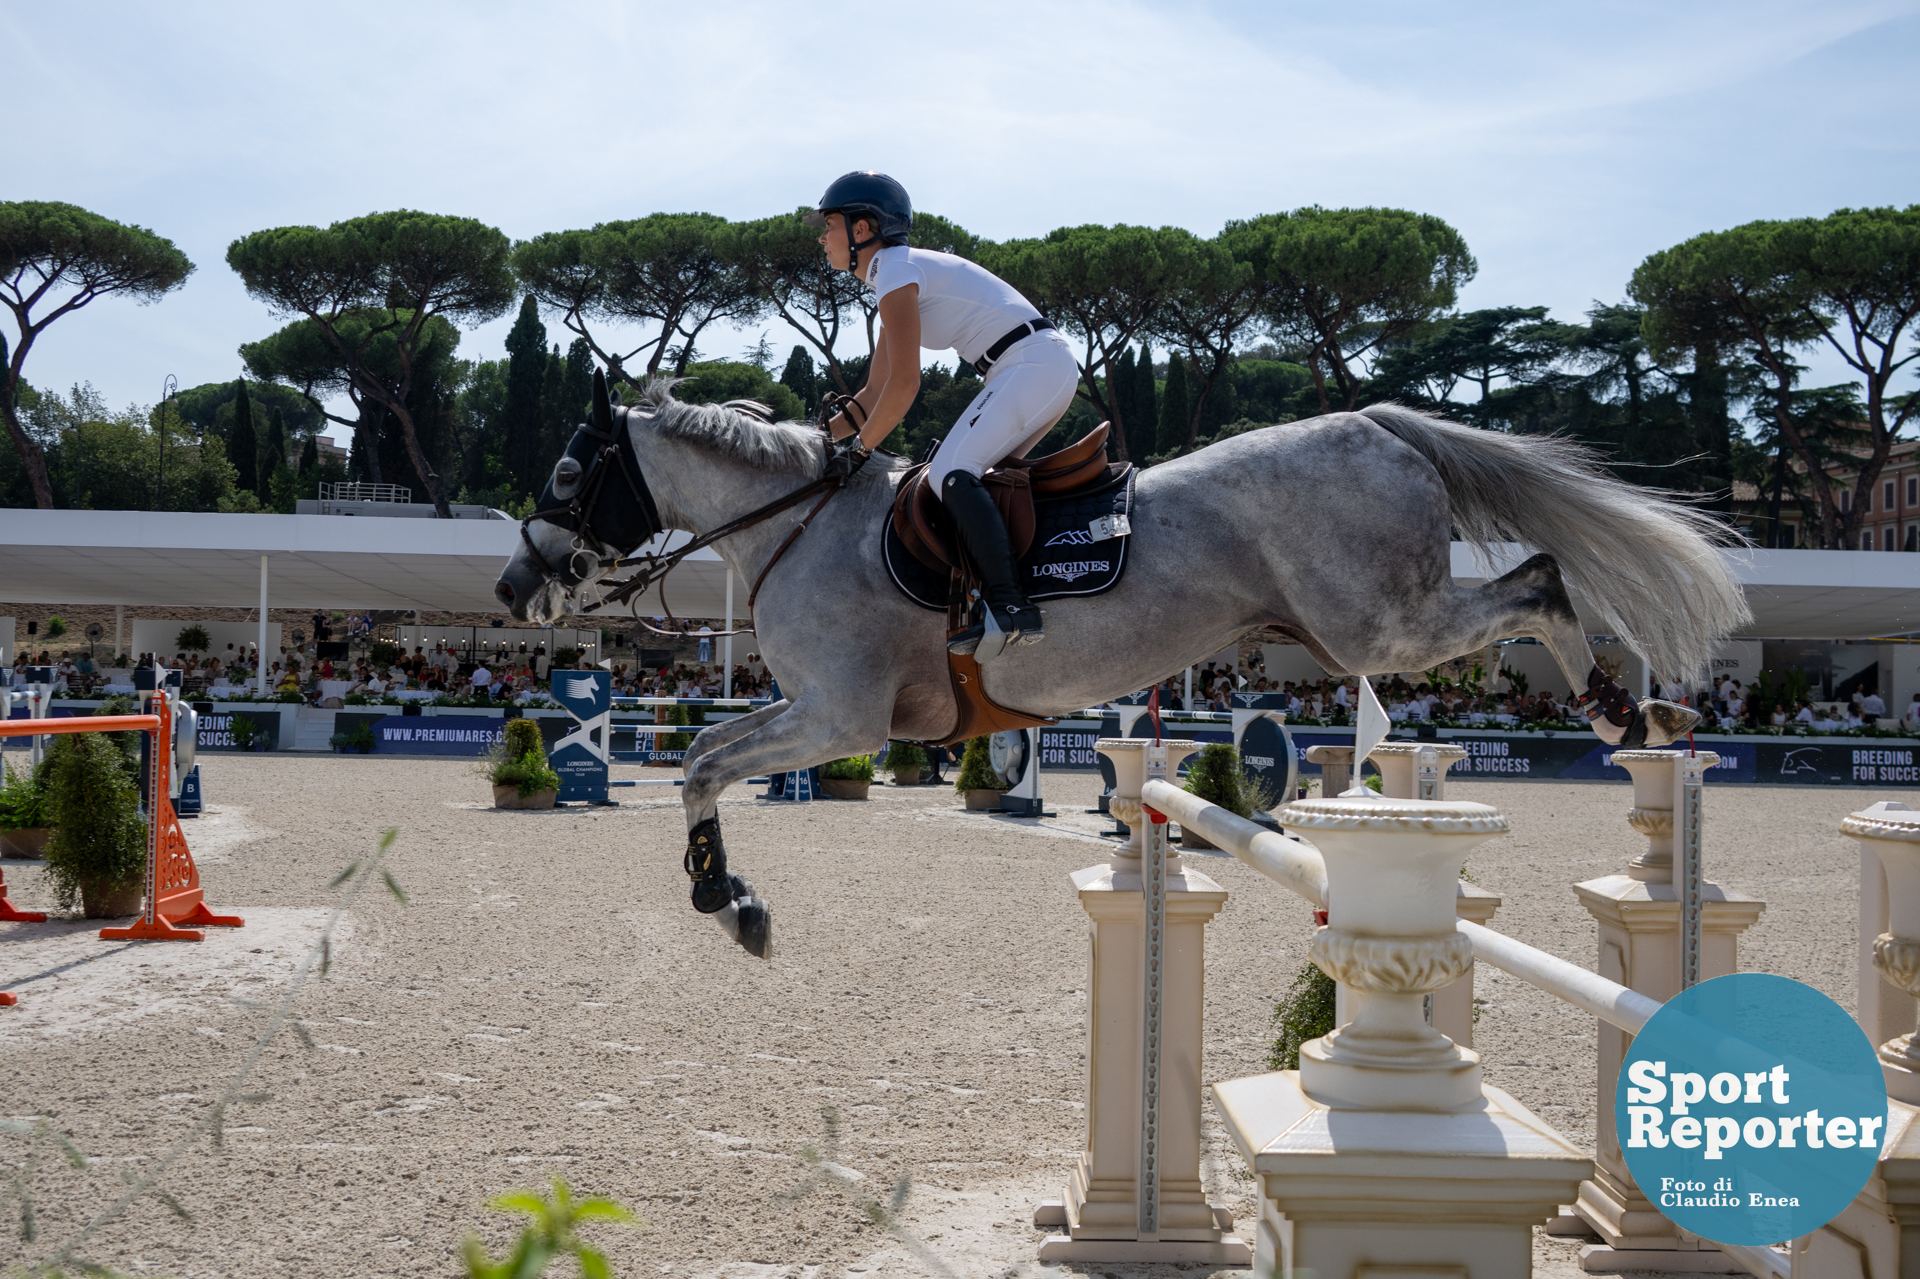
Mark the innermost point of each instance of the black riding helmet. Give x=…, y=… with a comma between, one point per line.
x=866, y=192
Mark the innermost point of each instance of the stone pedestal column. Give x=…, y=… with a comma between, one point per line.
x=1638, y=914
x=1891, y=831
x=1386, y=1152
x=1100, y=1211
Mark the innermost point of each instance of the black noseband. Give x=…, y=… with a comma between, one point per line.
x=607, y=521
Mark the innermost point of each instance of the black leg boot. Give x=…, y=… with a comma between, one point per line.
x=1008, y=618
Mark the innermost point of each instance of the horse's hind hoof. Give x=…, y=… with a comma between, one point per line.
x=1664, y=723
x=749, y=921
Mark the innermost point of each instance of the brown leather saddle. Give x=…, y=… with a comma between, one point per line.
x=920, y=520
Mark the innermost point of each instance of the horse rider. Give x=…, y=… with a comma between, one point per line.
x=939, y=301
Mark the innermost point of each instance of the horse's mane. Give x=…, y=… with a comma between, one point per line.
x=740, y=429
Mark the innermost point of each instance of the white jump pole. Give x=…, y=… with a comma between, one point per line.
x=726, y=645
x=260, y=667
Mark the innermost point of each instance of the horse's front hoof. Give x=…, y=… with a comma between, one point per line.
x=1665, y=723
x=756, y=928
x=749, y=921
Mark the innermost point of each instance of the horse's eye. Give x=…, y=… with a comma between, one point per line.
x=566, y=477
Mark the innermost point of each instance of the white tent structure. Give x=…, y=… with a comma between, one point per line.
x=171, y=558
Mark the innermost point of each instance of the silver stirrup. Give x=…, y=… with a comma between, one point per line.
x=993, y=640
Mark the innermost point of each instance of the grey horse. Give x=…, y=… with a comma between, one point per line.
x=1332, y=531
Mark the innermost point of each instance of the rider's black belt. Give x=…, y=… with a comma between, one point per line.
x=999, y=348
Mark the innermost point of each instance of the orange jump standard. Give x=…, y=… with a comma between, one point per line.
x=173, y=896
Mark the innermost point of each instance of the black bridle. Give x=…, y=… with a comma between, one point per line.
x=629, y=518
x=572, y=498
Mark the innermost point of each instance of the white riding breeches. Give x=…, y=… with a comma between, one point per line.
x=1025, y=393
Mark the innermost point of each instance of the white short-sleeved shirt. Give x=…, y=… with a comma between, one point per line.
x=963, y=306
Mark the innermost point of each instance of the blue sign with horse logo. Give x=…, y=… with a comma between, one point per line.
x=581, y=756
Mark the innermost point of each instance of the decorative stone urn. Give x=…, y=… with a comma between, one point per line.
x=1892, y=831
x=1391, y=940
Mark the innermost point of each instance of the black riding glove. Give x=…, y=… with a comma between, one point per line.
x=844, y=457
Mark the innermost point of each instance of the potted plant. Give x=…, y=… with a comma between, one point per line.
x=361, y=738
x=977, y=780
x=23, y=812
x=193, y=639
x=99, y=845
x=1215, y=775
x=517, y=766
x=339, y=743
x=907, y=762
x=847, y=778
x=243, y=731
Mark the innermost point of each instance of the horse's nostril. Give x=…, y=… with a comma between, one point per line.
x=503, y=592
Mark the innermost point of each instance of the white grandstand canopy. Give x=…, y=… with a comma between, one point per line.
x=1793, y=594
x=313, y=561
x=139, y=558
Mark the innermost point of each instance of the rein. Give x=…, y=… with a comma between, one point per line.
x=612, y=451
x=654, y=568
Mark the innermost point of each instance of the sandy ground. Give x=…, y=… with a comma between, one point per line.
x=549, y=1006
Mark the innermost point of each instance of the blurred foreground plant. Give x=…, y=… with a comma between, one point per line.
x=552, y=1234
x=38, y=1133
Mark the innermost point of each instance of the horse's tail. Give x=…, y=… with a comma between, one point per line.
x=1647, y=563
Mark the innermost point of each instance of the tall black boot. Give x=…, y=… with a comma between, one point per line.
x=1008, y=618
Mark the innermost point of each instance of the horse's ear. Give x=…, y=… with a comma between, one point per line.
x=602, y=405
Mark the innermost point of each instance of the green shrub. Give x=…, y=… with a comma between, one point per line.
x=976, y=768
x=1305, y=1012
x=523, y=735
x=1215, y=776
x=674, y=741
x=129, y=741
x=98, y=836
x=361, y=738
x=243, y=731
x=193, y=639
x=23, y=798
x=904, y=757
x=56, y=627
x=384, y=654
x=857, y=769
x=519, y=759
x=339, y=741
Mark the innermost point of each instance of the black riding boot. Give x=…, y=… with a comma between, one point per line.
x=1008, y=618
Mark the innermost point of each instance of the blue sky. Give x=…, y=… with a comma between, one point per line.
x=1565, y=142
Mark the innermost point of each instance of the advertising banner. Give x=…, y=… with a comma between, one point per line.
x=437, y=735
x=581, y=756
x=217, y=733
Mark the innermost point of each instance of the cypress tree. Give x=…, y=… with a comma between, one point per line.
x=243, y=450
x=309, y=457
x=1174, y=407
x=576, y=390
x=800, y=378
x=556, y=426
x=526, y=369
x=274, y=455
x=1120, y=393
x=1145, y=426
